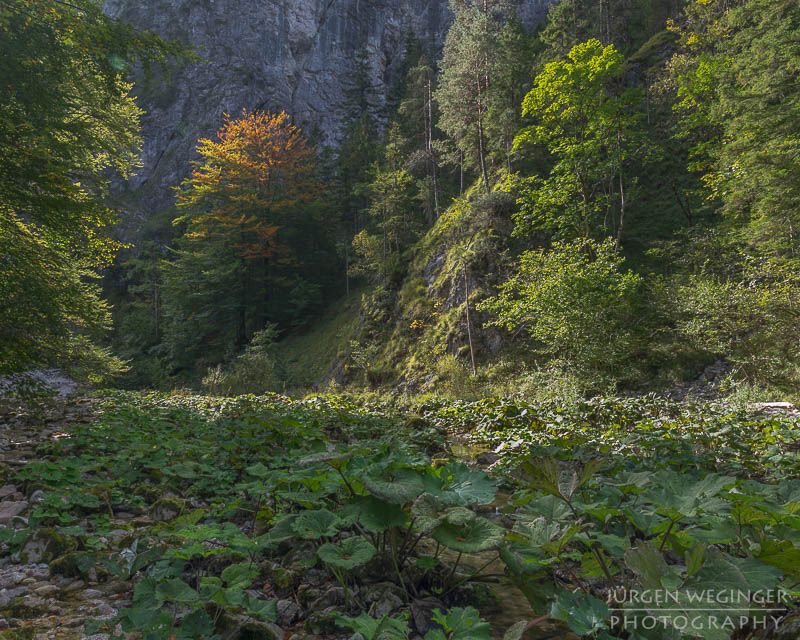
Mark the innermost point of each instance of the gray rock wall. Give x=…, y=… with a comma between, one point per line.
x=293, y=55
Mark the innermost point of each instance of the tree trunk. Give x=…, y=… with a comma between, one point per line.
x=621, y=187
x=431, y=155
x=469, y=323
x=241, y=324
x=156, y=310
x=481, y=146
x=461, y=164
x=347, y=269
x=385, y=240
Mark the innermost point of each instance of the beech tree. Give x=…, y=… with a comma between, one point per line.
x=260, y=168
x=591, y=133
x=68, y=123
x=247, y=207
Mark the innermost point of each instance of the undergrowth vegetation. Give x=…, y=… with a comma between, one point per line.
x=359, y=516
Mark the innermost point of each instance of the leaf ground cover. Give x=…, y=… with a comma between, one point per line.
x=224, y=510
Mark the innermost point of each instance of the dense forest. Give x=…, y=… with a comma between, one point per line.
x=606, y=200
x=498, y=357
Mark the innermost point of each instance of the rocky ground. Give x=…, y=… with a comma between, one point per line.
x=35, y=600
x=46, y=593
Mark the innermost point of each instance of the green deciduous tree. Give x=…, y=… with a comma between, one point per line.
x=591, y=131
x=68, y=123
x=575, y=302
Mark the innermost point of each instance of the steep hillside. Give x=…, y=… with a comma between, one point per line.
x=415, y=334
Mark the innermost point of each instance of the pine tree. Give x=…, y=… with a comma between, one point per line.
x=464, y=93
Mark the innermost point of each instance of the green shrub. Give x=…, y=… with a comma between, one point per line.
x=254, y=371
x=577, y=305
x=751, y=321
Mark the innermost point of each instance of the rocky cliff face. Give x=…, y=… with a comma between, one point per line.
x=293, y=55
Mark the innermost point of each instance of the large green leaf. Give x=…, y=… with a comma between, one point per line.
x=456, y=483
x=283, y=530
x=516, y=631
x=258, y=470
x=316, y=523
x=678, y=496
x=648, y=564
x=525, y=560
x=373, y=514
x=781, y=554
x=699, y=606
x=395, y=485
x=761, y=577
x=197, y=624
x=264, y=610
x=145, y=595
x=349, y=553
x=459, y=516
x=459, y=624
x=549, y=506
x=333, y=458
x=477, y=535
x=371, y=629
x=240, y=576
x=584, y=614
x=176, y=590
x=428, y=512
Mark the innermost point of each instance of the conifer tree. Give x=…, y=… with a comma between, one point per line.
x=464, y=93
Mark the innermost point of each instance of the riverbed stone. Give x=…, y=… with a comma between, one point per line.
x=323, y=622
x=487, y=458
x=333, y=596
x=167, y=509
x=7, y=596
x=289, y=612
x=47, y=545
x=10, y=510
x=240, y=627
x=422, y=613
x=285, y=578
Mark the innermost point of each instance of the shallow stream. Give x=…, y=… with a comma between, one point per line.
x=514, y=606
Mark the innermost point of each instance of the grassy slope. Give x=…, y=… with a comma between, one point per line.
x=305, y=358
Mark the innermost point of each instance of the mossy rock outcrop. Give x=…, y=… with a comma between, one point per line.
x=167, y=509
x=323, y=622
x=18, y=608
x=46, y=545
x=72, y=565
x=25, y=633
x=239, y=627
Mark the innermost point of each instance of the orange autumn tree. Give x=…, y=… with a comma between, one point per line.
x=249, y=211
x=258, y=172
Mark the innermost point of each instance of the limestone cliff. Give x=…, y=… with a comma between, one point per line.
x=293, y=55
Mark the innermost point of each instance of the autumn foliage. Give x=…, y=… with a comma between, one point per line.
x=248, y=182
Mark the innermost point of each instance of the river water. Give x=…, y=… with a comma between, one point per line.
x=514, y=605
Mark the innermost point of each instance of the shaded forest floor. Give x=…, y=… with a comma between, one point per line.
x=130, y=515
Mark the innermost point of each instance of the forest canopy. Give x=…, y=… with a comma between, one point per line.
x=608, y=198
x=68, y=120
